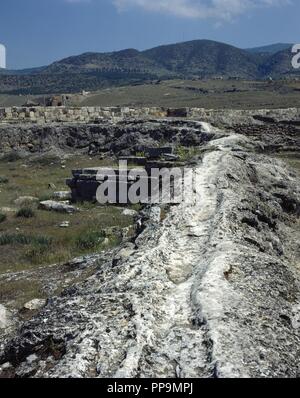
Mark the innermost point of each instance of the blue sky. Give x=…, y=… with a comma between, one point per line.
x=38, y=32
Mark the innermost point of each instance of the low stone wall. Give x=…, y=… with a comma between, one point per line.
x=46, y=115
x=41, y=115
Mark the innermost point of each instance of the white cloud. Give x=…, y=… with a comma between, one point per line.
x=215, y=9
x=198, y=9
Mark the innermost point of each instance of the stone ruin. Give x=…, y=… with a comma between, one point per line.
x=85, y=182
x=95, y=114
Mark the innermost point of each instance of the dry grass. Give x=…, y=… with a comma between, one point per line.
x=215, y=94
x=210, y=94
x=20, y=291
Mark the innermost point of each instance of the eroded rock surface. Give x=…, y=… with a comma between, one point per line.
x=5, y=318
x=52, y=205
x=212, y=290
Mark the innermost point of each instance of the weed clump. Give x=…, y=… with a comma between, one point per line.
x=25, y=212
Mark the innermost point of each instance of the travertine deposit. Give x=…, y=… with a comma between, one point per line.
x=210, y=290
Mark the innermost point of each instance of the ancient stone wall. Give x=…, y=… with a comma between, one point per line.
x=73, y=114
x=46, y=115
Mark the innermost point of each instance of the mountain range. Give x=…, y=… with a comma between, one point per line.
x=193, y=59
x=270, y=49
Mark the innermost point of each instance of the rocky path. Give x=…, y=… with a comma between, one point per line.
x=212, y=291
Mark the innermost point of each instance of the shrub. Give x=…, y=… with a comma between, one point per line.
x=90, y=240
x=3, y=217
x=25, y=212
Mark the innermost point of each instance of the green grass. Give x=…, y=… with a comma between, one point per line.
x=3, y=217
x=186, y=153
x=140, y=154
x=90, y=240
x=22, y=239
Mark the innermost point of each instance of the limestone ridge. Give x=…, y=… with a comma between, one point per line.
x=213, y=290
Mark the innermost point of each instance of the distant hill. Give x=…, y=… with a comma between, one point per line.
x=271, y=49
x=193, y=59
x=126, y=61
x=204, y=58
x=200, y=57
x=279, y=64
